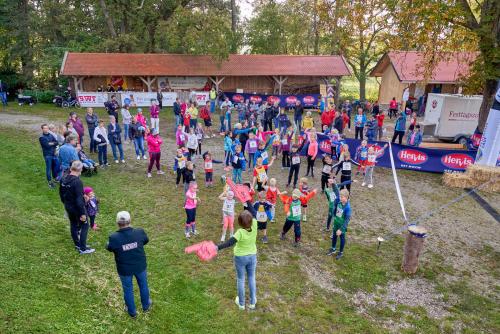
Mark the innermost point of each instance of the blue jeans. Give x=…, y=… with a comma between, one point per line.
x=222, y=126
x=128, y=291
x=52, y=169
x=237, y=175
x=93, y=144
x=125, y=132
x=246, y=264
x=3, y=97
x=212, y=106
x=193, y=123
x=102, y=154
x=298, y=123
x=139, y=145
x=120, y=148
x=178, y=120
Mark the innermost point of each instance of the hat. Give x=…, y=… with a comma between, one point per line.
x=88, y=190
x=139, y=109
x=296, y=193
x=123, y=216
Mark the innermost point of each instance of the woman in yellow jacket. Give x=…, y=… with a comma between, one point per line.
x=308, y=121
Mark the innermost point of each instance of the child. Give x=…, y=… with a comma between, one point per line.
x=326, y=172
x=294, y=167
x=286, y=142
x=307, y=122
x=283, y=121
x=179, y=166
x=209, y=169
x=332, y=195
x=262, y=150
x=180, y=137
x=345, y=119
x=187, y=119
x=272, y=193
x=87, y=163
x=188, y=175
x=199, y=135
x=91, y=206
x=262, y=214
x=293, y=213
x=414, y=137
x=276, y=142
x=192, y=201
x=260, y=174
x=304, y=189
x=413, y=121
x=370, y=165
x=312, y=152
x=228, y=142
x=342, y=213
x=101, y=138
x=192, y=143
x=371, y=129
x=251, y=148
x=345, y=165
x=238, y=164
x=360, y=157
x=207, y=120
x=227, y=213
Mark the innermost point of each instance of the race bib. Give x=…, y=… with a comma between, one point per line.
x=262, y=176
x=364, y=154
x=192, y=141
x=284, y=141
x=371, y=158
x=228, y=207
x=182, y=164
x=327, y=169
x=252, y=144
x=295, y=160
x=332, y=197
x=261, y=216
x=296, y=210
x=346, y=166
x=340, y=211
x=182, y=137
x=264, y=155
x=208, y=165
x=235, y=159
x=199, y=136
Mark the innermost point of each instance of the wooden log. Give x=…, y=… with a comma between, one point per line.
x=413, y=246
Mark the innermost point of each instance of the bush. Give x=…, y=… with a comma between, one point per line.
x=42, y=96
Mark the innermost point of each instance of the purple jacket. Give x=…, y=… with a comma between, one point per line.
x=92, y=207
x=77, y=124
x=251, y=145
x=286, y=142
x=154, y=110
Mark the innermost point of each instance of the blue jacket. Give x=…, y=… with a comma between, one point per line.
x=228, y=142
x=372, y=130
x=49, y=144
x=401, y=123
x=117, y=132
x=359, y=121
x=67, y=154
x=128, y=246
x=417, y=140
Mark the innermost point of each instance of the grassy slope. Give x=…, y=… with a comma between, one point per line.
x=48, y=288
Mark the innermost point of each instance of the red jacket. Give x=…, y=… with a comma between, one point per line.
x=204, y=113
x=327, y=117
x=345, y=120
x=154, y=143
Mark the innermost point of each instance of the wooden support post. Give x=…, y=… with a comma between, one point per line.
x=413, y=246
x=78, y=82
x=217, y=82
x=280, y=81
x=148, y=81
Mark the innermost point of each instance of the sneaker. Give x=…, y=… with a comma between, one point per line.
x=206, y=137
x=264, y=239
x=160, y=172
x=149, y=175
x=370, y=186
x=296, y=244
x=363, y=184
x=147, y=309
x=237, y=302
x=107, y=164
x=325, y=229
x=144, y=157
x=188, y=235
x=195, y=232
x=51, y=185
x=331, y=251
x=123, y=161
x=87, y=251
x=96, y=164
x=138, y=157
x=251, y=306
x=282, y=236
x=222, y=239
x=339, y=255
x=116, y=161
x=304, y=219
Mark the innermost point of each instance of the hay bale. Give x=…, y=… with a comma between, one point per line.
x=457, y=180
x=482, y=173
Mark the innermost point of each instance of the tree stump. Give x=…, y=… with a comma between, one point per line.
x=413, y=246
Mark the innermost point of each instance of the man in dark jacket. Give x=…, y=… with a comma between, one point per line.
x=71, y=194
x=297, y=114
x=268, y=118
x=128, y=246
x=177, y=113
x=338, y=122
x=112, y=107
x=49, y=144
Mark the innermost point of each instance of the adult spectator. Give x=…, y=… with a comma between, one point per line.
x=127, y=117
x=338, y=122
x=3, y=93
x=77, y=125
x=268, y=118
x=193, y=113
x=414, y=137
x=92, y=122
x=326, y=119
x=213, y=97
x=102, y=140
x=348, y=107
x=127, y=244
x=399, y=128
x=393, y=107
x=71, y=194
x=137, y=132
x=115, y=139
x=68, y=153
x=359, y=124
x=49, y=144
x=276, y=111
x=297, y=114
x=375, y=109
x=225, y=107
x=159, y=98
x=110, y=88
x=154, y=112
x=112, y=107
x=177, y=112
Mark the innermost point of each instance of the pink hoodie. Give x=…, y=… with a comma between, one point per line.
x=312, y=150
x=180, y=137
x=154, y=110
x=261, y=135
x=154, y=143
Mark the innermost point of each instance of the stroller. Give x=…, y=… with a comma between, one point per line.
x=89, y=171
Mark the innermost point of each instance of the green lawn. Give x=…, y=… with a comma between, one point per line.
x=48, y=288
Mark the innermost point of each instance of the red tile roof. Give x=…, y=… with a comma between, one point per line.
x=408, y=66
x=134, y=64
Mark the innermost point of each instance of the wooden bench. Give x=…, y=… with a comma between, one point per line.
x=444, y=146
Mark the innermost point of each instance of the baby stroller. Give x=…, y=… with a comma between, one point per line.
x=89, y=171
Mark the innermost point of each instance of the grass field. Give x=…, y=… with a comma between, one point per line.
x=48, y=288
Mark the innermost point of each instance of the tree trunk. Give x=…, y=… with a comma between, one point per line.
x=412, y=249
x=26, y=54
x=489, y=90
x=109, y=20
x=234, y=21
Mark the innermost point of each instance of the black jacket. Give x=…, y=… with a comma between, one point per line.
x=134, y=131
x=338, y=124
x=71, y=194
x=299, y=110
x=114, y=136
x=128, y=246
x=49, y=144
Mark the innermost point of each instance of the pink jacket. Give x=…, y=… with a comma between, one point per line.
x=261, y=135
x=154, y=143
x=312, y=150
x=141, y=119
x=180, y=137
x=154, y=110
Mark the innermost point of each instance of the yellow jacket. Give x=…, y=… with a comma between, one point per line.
x=307, y=122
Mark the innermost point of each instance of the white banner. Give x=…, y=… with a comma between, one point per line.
x=488, y=153
x=200, y=97
x=143, y=99
x=183, y=82
x=92, y=99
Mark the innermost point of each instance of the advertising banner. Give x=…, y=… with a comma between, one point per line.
x=200, y=97
x=143, y=99
x=92, y=99
x=488, y=153
x=408, y=157
x=307, y=100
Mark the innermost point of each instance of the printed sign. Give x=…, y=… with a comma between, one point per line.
x=92, y=99
x=310, y=100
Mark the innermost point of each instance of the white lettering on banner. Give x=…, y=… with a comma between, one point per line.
x=457, y=160
x=412, y=156
x=130, y=246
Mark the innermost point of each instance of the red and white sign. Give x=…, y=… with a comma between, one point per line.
x=92, y=99
x=308, y=99
x=325, y=146
x=273, y=99
x=200, y=97
x=238, y=98
x=256, y=99
x=412, y=157
x=291, y=99
x=457, y=160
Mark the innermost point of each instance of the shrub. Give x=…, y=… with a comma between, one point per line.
x=42, y=96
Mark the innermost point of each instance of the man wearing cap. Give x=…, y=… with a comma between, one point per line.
x=128, y=246
x=71, y=194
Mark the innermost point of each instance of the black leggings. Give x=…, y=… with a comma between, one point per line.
x=294, y=170
x=324, y=181
x=296, y=228
x=358, y=131
x=154, y=159
x=285, y=159
x=92, y=221
x=192, y=152
x=199, y=148
x=178, y=177
x=268, y=124
x=310, y=165
x=344, y=178
x=397, y=134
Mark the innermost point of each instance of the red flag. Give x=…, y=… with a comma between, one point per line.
x=205, y=250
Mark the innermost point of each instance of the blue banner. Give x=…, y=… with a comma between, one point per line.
x=408, y=157
x=307, y=100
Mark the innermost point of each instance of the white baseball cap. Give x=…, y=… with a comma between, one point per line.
x=123, y=216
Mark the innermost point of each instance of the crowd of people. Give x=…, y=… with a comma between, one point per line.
x=262, y=134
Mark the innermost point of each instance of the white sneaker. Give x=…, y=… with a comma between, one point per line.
x=188, y=235
x=88, y=251
x=145, y=157
x=116, y=161
x=123, y=161
x=138, y=157
x=252, y=306
x=222, y=239
x=149, y=175
x=363, y=184
x=206, y=137
x=370, y=186
x=195, y=232
x=160, y=172
x=237, y=302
